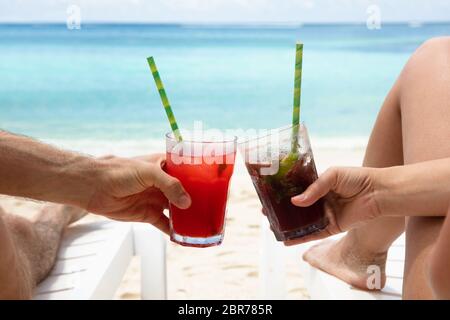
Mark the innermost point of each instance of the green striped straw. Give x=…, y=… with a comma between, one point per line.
x=297, y=95
x=164, y=99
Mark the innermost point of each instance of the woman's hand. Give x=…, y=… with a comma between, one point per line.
x=350, y=199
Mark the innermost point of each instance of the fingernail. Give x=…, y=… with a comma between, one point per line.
x=184, y=201
x=299, y=198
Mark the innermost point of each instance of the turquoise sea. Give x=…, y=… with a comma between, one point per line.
x=94, y=83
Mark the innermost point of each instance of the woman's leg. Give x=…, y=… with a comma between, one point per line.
x=350, y=257
x=425, y=108
x=439, y=263
x=415, y=118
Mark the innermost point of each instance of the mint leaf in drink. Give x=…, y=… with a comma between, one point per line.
x=286, y=164
x=293, y=175
x=279, y=183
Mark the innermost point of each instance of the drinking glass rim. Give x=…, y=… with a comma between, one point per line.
x=170, y=135
x=280, y=129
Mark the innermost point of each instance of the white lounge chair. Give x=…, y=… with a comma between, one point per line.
x=93, y=258
x=321, y=285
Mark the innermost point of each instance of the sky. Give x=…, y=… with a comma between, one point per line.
x=224, y=11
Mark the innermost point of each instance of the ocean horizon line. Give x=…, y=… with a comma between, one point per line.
x=287, y=25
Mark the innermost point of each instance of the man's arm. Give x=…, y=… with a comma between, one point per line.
x=32, y=169
x=122, y=189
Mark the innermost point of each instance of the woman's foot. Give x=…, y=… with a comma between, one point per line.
x=348, y=261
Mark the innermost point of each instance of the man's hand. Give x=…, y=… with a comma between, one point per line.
x=349, y=199
x=136, y=190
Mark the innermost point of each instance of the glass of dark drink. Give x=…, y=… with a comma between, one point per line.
x=278, y=174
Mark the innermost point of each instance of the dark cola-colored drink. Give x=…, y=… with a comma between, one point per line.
x=275, y=192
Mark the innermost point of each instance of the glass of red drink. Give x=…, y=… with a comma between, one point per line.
x=279, y=174
x=204, y=168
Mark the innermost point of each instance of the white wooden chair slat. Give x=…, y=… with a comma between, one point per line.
x=67, y=253
x=55, y=295
x=272, y=267
x=150, y=245
x=395, y=253
x=394, y=287
x=72, y=265
x=93, y=258
x=91, y=227
x=80, y=238
x=58, y=283
x=84, y=240
x=112, y=260
x=394, y=269
x=400, y=241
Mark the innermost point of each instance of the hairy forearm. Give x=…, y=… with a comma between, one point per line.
x=32, y=169
x=421, y=189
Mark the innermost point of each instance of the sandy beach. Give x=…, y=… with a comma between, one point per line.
x=229, y=271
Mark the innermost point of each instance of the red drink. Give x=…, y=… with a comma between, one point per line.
x=205, y=175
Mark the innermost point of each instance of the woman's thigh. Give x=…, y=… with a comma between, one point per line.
x=425, y=114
